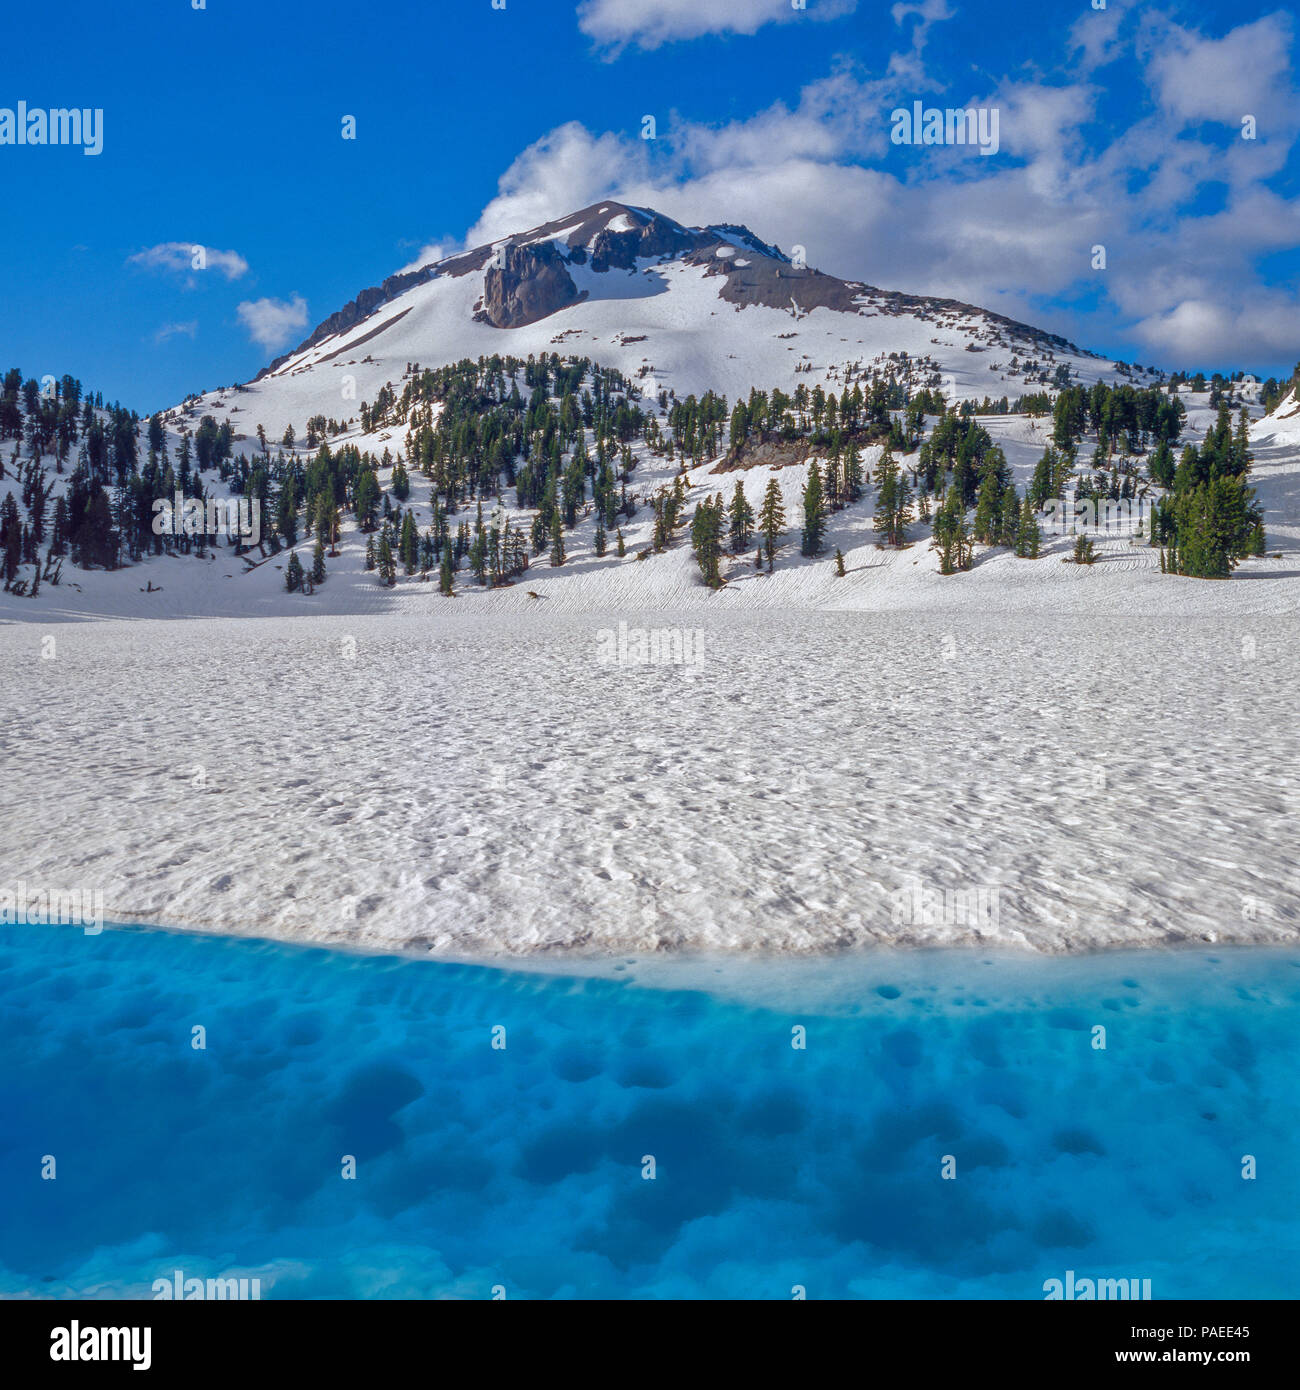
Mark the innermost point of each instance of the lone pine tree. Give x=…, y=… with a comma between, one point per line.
x=446, y=569
x=771, y=519
x=386, y=565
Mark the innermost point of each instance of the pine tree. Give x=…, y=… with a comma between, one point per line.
x=622, y=544
x=893, y=510
x=1028, y=537
x=370, y=552
x=1009, y=524
x=318, y=560
x=950, y=536
x=293, y=575
x=834, y=483
x=988, y=508
x=839, y=562
x=814, y=513
x=386, y=565
x=408, y=545
x=446, y=569
x=600, y=539
x=557, y=544
x=771, y=519
x=852, y=473
x=706, y=540
x=11, y=539
x=741, y=516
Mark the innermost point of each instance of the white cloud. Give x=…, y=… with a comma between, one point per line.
x=272, y=322
x=1203, y=79
x=430, y=252
x=563, y=171
x=176, y=330
x=190, y=256
x=649, y=23
x=1197, y=329
x=908, y=66
x=1094, y=40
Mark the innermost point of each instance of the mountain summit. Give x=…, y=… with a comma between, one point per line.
x=690, y=308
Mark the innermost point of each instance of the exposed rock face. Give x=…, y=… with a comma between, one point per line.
x=770, y=279
x=526, y=283
x=776, y=453
x=658, y=236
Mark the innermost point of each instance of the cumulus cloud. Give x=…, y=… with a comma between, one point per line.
x=273, y=322
x=563, y=171
x=1013, y=233
x=1263, y=330
x=614, y=24
x=184, y=257
x=1246, y=72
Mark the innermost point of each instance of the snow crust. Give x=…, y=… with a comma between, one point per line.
x=486, y=784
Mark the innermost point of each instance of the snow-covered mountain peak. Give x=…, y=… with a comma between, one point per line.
x=691, y=308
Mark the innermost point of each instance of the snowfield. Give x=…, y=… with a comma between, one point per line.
x=474, y=782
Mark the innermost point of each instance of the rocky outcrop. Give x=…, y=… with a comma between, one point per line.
x=776, y=453
x=653, y=239
x=525, y=283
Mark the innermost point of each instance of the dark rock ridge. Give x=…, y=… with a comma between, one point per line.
x=773, y=281
x=353, y=313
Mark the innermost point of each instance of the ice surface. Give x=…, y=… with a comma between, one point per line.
x=522, y=1167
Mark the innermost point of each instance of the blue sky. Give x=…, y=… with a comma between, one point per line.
x=1119, y=127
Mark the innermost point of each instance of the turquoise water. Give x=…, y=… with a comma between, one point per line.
x=521, y=1168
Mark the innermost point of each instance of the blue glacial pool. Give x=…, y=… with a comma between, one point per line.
x=522, y=1168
